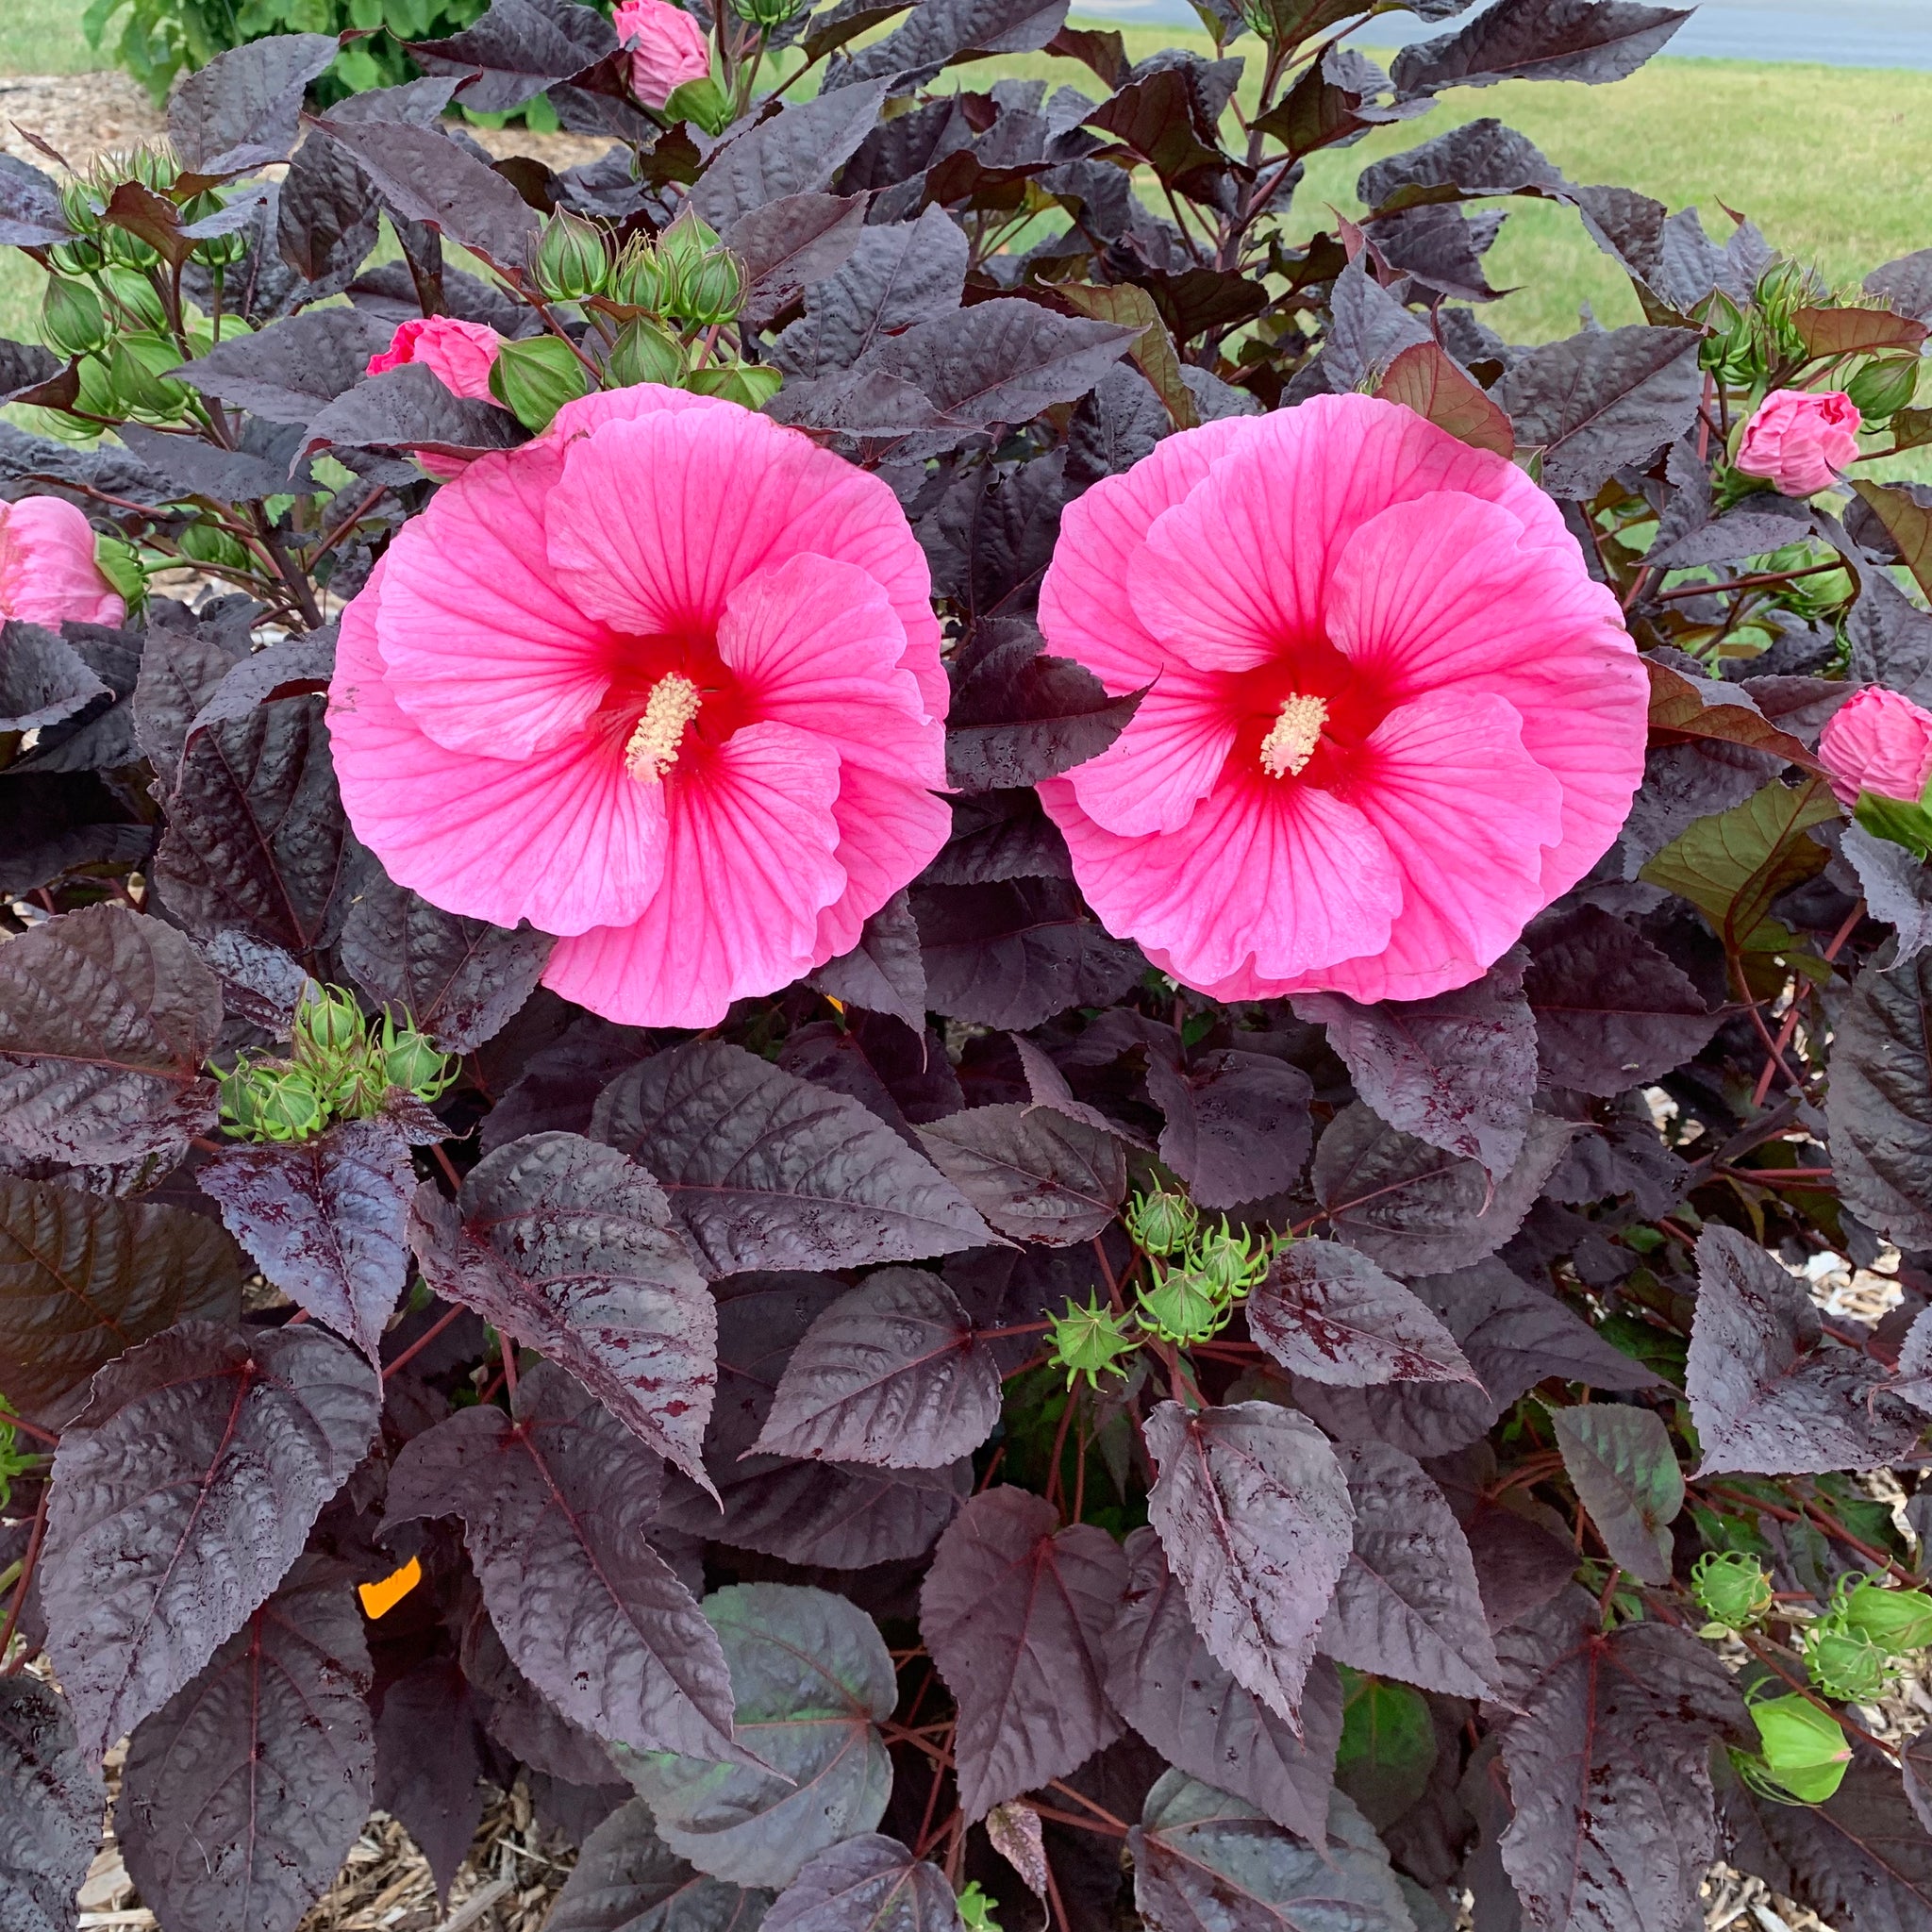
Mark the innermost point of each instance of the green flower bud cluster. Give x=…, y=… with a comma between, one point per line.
x=1865, y=1635
x=336, y=1069
x=1748, y=342
x=1192, y=1297
x=1089, y=1341
x=1730, y=1587
x=768, y=13
x=687, y=275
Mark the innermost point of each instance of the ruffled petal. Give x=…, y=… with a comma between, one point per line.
x=1278, y=877
x=1084, y=606
x=565, y=838
x=888, y=833
x=817, y=643
x=1153, y=774
x=485, y=647
x=749, y=865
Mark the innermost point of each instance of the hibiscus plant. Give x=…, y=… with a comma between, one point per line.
x=997, y=1054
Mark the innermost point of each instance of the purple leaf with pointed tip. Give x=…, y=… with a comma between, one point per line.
x=1330, y=1313
x=868, y=1884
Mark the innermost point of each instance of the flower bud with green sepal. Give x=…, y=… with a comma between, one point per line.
x=329, y=1022
x=769, y=14
x=1903, y=820
x=271, y=1102
x=534, y=378
x=641, y=278
x=710, y=289
x=132, y=292
x=644, y=353
x=1899, y=1621
x=1231, y=1263
x=119, y=562
x=1183, y=1307
x=137, y=366
x=1089, y=1341
x=1843, y=1662
x=572, y=258
x=410, y=1061
x=1730, y=1587
x=754, y=385
x=703, y=101
x=70, y=319
x=1160, y=1222
x=1884, y=387
x=1803, y=1752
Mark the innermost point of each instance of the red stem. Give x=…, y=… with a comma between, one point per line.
x=35, y=1538
x=421, y=1342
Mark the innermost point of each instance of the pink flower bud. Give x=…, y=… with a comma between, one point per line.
x=668, y=48
x=1878, y=741
x=48, y=575
x=458, y=354
x=1800, y=441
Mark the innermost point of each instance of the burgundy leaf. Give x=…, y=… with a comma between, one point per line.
x=1592, y=40
x=1014, y=1611
x=1253, y=1512
x=555, y=1508
x=765, y=1170
x=107, y=1020
x=239, y=110
x=1406, y=1604
x=1330, y=1313
x=244, y=1792
x=83, y=1277
x=796, y=151
x=1625, y=1474
x=1768, y=1392
x=289, y=372
x=182, y=1494
x=791, y=242
x=998, y=836
x=1457, y=1071
x=408, y=408
x=627, y=1879
x=428, y=1760
x=44, y=679
x=904, y=1077
x=569, y=1247
x=1880, y=1105
x=1168, y=1686
x=517, y=50
x=891, y=1374
x=1034, y=1172
x=325, y=1219
x=518, y=1716
x=884, y=972
x=53, y=1800
x=868, y=1884
x=1238, y=1127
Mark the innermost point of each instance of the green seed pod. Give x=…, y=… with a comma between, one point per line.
x=1181, y=1307
x=410, y=1061
x=752, y=384
x=70, y=319
x=534, y=378
x=329, y=1022
x=1730, y=1587
x=572, y=258
x=204, y=543
x=1898, y=1620
x=708, y=290
x=767, y=14
x=640, y=278
x=137, y=298
x=1230, y=1263
x=1805, y=1749
x=644, y=353
x=1160, y=1222
x=1882, y=387
x=1843, y=1663
x=1089, y=1341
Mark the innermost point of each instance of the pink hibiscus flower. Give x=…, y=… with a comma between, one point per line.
x=48, y=575
x=1878, y=741
x=1391, y=716
x=664, y=681
x=458, y=354
x=668, y=48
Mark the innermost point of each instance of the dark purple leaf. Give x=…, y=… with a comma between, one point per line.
x=44, y=679
x=765, y=1170
x=1457, y=1071
x=1594, y=40
x=1238, y=1125
x=327, y=218
x=869, y=1884
x=83, y=1278
x=1625, y=1474
x=1611, y=1011
x=1768, y=1392
x=1895, y=882
x=904, y=1077
x=1205, y=1860
x=1407, y=1604
x=239, y=112
x=1330, y=1314
x=1598, y=401
x=813, y=1680
x=899, y=273
x=890, y=1375
x=1253, y=1512
x=30, y=212
x=1476, y=160
x=408, y=408
x=1414, y=1207
x=627, y=1879
x=516, y=50
x=559, y=1087
x=183, y=662
x=182, y=1494
x=571, y=1249
x=1609, y=1768
x=555, y=1507
x=260, y=983
x=797, y=151
x=1880, y=1105
x=790, y=243
x=519, y=1718
x=430, y=1746
x=293, y=369
x=1168, y=1686
x=292, y=667
x=989, y=540
x=884, y=972
x=1016, y=954
x=53, y=1800
x=1032, y=1171
x=1154, y=120
x=1000, y=362
x=942, y=31
x=107, y=1020
x=1014, y=1611
x=244, y=1792
x=459, y=980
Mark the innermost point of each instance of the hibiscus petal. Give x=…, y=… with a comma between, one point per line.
x=565, y=838
x=1277, y=874
x=486, y=649
x=1084, y=606
x=817, y=643
x=749, y=864
x=888, y=833
x=1153, y=774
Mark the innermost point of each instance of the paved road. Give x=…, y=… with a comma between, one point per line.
x=1844, y=33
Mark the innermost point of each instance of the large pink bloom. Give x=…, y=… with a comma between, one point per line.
x=1391, y=717
x=48, y=575
x=1800, y=439
x=668, y=48
x=665, y=682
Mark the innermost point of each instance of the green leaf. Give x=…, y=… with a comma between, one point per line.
x=1626, y=1477
x=1388, y=1745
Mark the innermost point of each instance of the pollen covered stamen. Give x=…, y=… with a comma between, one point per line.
x=1291, y=743
x=669, y=710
